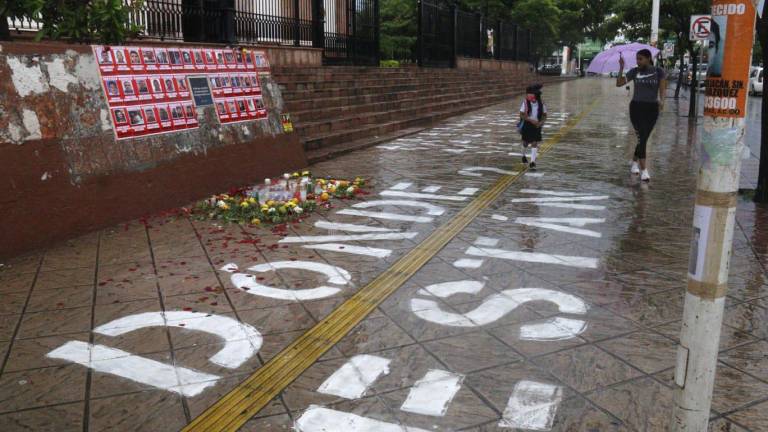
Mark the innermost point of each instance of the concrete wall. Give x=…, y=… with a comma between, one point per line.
x=63, y=173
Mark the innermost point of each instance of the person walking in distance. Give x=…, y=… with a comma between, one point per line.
x=533, y=115
x=647, y=102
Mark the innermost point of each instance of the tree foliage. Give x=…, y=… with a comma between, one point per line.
x=399, y=27
x=105, y=21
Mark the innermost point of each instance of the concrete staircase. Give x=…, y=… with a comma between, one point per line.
x=340, y=109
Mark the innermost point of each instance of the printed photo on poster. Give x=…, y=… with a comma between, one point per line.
x=113, y=89
x=231, y=107
x=241, y=107
x=135, y=118
x=135, y=59
x=150, y=61
x=150, y=117
x=251, y=106
x=190, y=114
x=119, y=116
x=142, y=87
x=220, y=60
x=157, y=86
x=175, y=56
x=249, y=60
x=716, y=51
x=104, y=58
x=129, y=91
x=210, y=61
x=181, y=84
x=221, y=110
x=197, y=55
x=170, y=88
x=186, y=58
x=162, y=56
x=165, y=116
x=120, y=58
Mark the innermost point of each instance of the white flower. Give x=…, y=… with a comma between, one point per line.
x=221, y=204
x=298, y=210
x=286, y=176
x=267, y=182
x=272, y=210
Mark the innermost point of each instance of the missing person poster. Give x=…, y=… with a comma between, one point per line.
x=148, y=91
x=730, y=50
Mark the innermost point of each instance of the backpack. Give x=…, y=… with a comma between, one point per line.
x=529, y=108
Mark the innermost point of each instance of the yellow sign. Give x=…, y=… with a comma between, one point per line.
x=287, y=124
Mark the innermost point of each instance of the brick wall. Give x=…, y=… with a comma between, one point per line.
x=63, y=173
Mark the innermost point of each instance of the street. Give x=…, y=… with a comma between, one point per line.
x=556, y=308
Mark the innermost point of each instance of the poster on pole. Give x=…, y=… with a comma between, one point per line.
x=729, y=50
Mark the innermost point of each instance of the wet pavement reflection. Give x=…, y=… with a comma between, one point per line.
x=558, y=308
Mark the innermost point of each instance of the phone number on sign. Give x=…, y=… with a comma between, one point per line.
x=721, y=105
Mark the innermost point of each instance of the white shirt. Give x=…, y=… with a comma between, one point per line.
x=534, y=109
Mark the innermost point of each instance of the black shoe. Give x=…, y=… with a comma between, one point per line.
x=525, y=159
x=532, y=165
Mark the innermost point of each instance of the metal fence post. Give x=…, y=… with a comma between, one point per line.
x=377, y=29
x=455, y=35
x=318, y=24
x=296, y=24
x=420, y=38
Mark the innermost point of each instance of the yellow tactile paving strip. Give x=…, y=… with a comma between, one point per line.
x=235, y=408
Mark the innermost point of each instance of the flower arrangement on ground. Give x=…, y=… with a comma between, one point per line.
x=277, y=201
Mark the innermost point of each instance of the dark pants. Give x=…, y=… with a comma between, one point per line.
x=643, y=116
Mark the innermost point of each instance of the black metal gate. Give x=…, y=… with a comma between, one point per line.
x=437, y=36
x=351, y=32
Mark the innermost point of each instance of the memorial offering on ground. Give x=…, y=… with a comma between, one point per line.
x=277, y=201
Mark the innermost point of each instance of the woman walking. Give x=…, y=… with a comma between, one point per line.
x=647, y=102
x=533, y=114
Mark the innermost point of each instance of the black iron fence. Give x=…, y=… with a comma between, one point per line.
x=347, y=30
x=446, y=32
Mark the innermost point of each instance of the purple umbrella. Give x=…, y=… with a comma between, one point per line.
x=608, y=60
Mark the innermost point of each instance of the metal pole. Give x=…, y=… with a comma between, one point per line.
x=655, y=22
x=714, y=214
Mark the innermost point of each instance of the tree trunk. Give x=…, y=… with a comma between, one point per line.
x=761, y=194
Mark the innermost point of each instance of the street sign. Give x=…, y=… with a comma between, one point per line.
x=669, y=50
x=700, y=25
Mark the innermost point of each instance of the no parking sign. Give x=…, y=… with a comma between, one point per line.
x=700, y=27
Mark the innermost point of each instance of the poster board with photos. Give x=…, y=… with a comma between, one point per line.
x=148, y=92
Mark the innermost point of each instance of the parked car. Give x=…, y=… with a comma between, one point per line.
x=756, y=81
x=551, y=69
x=701, y=75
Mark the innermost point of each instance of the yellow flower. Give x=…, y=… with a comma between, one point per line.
x=295, y=174
x=252, y=201
x=255, y=221
x=270, y=203
x=244, y=204
x=295, y=200
x=306, y=173
x=324, y=196
x=224, y=206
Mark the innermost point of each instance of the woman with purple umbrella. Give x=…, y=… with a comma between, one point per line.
x=647, y=102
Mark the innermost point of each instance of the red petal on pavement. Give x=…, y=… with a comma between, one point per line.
x=188, y=309
x=215, y=304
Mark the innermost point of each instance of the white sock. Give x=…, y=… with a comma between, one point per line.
x=534, y=152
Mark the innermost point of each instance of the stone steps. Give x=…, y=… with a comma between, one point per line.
x=341, y=109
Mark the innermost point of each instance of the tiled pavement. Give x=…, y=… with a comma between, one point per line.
x=601, y=337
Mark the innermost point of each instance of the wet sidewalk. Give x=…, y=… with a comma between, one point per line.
x=557, y=308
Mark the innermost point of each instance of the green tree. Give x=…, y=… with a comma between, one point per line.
x=600, y=23
x=106, y=21
x=543, y=18
x=399, y=27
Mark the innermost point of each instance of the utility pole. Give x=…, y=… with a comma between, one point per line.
x=655, y=23
x=722, y=142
